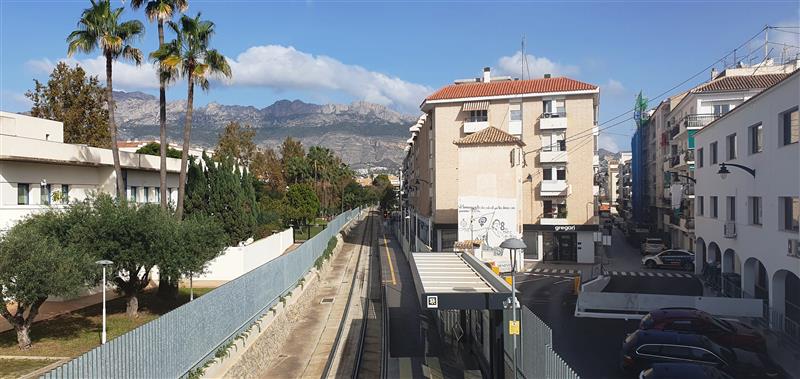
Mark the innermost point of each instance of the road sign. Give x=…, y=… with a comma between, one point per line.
x=513, y=328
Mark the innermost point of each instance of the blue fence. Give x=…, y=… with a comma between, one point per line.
x=186, y=337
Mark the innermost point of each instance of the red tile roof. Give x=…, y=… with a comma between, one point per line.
x=509, y=87
x=738, y=83
x=490, y=136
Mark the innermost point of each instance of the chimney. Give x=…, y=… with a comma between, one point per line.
x=487, y=74
x=713, y=73
x=547, y=76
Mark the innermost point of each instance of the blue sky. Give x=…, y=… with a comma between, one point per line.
x=396, y=52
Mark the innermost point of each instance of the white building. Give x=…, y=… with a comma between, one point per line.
x=39, y=170
x=750, y=222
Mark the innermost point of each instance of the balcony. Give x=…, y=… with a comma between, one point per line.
x=554, y=188
x=554, y=218
x=698, y=121
x=674, y=132
x=687, y=223
x=553, y=120
x=475, y=126
x=515, y=127
x=729, y=229
x=554, y=153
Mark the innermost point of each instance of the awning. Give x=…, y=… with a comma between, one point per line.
x=456, y=281
x=476, y=106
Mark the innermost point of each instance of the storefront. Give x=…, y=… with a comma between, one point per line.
x=563, y=243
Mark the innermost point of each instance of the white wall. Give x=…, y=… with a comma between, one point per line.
x=777, y=175
x=31, y=127
x=236, y=260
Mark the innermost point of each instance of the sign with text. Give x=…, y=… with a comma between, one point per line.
x=433, y=301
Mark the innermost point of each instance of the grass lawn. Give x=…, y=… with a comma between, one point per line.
x=72, y=334
x=14, y=368
x=301, y=234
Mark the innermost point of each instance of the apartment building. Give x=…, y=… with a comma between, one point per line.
x=38, y=170
x=747, y=201
x=494, y=157
x=614, y=179
x=667, y=144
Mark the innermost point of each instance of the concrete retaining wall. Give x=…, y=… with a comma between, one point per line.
x=237, y=260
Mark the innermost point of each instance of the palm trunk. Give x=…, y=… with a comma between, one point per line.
x=187, y=133
x=162, y=118
x=113, y=129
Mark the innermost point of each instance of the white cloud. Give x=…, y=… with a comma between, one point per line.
x=278, y=68
x=536, y=66
x=127, y=76
x=281, y=67
x=607, y=142
x=613, y=87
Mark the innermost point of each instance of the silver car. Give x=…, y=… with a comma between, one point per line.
x=653, y=246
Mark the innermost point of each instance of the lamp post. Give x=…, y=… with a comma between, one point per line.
x=513, y=244
x=104, y=263
x=723, y=169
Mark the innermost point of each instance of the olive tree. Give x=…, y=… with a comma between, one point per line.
x=38, y=259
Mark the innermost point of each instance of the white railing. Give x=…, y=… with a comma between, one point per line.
x=729, y=229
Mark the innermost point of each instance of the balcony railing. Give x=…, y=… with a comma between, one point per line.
x=554, y=114
x=675, y=160
x=688, y=155
x=697, y=121
x=674, y=132
x=729, y=229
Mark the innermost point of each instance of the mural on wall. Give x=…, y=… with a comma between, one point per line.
x=488, y=219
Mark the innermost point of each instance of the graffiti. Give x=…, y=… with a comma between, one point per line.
x=490, y=220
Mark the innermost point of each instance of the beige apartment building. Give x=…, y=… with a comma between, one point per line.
x=494, y=157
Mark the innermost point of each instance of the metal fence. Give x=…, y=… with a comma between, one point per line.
x=535, y=355
x=177, y=342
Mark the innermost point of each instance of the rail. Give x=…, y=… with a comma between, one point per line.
x=366, y=236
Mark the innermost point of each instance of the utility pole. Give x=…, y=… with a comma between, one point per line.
x=766, y=41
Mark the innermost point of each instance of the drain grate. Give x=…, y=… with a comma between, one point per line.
x=326, y=300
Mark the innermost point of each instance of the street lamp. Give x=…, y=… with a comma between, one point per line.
x=104, y=263
x=513, y=244
x=723, y=169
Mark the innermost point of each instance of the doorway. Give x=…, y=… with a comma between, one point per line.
x=566, y=247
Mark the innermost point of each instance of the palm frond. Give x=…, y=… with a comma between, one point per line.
x=217, y=63
x=132, y=54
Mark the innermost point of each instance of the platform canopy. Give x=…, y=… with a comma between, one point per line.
x=456, y=281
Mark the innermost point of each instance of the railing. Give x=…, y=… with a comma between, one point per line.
x=535, y=355
x=554, y=114
x=674, y=132
x=558, y=146
x=688, y=156
x=675, y=160
x=697, y=121
x=729, y=229
x=187, y=337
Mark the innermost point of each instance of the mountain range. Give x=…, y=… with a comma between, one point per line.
x=364, y=134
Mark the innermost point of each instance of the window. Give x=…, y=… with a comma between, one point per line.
x=731, y=205
x=714, y=207
x=547, y=173
x=731, y=146
x=721, y=109
x=515, y=112
x=561, y=173
x=478, y=116
x=22, y=194
x=547, y=209
x=681, y=325
x=561, y=210
x=755, y=210
x=700, y=157
x=65, y=193
x=681, y=352
x=44, y=194
x=790, y=127
x=756, y=138
x=713, y=148
x=158, y=194
x=701, y=206
x=146, y=194
x=554, y=142
x=133, y=194
x=554, y=108
x=790, y=207
x=648, y=350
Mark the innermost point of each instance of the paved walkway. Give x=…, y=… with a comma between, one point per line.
x=51, y=309
x=305, y=354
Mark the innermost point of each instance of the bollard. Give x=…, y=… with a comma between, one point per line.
x=577, y=285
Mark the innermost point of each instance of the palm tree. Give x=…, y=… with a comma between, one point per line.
x=160, y=11
x=189, y=56
x=100, y=28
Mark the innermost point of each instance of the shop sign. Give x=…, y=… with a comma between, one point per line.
x=564, y=228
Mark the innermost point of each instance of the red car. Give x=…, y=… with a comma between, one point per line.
x=729, y=333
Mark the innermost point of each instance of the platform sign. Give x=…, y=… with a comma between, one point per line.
x=433, y=301
x=513, y=328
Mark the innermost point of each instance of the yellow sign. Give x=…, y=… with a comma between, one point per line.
x=508, y=279
x=513, y=328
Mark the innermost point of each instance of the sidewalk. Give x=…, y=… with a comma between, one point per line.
x=51, y=309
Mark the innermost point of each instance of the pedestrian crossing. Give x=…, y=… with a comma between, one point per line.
x=648, y=274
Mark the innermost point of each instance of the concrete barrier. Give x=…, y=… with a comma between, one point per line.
x=636, y=305
x=237, y=260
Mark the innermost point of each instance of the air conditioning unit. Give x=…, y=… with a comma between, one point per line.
x=547, y=114
x=794, y=248
x=730, y=229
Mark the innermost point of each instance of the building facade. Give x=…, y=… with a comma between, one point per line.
x=493, y=158
x=748, y=223
x=38, y=170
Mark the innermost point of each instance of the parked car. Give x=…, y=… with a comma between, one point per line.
x=644, y=348
x=682, y=371
x=729, y=333
x=683, y=259
x=653, y=246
